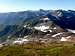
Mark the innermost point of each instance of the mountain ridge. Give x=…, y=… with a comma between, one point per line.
x=37, y=24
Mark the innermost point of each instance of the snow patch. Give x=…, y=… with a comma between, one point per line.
x=68, y=37
x=42, y=28
x=25, y=36
x=24, y=40
x=56, y=34
x=54, y=28
x=45, y=18
x=59, y=13
x=24, y=26
x=50, y=30
x=73, y=31
x=17, y=42
x=20, y=41
x=63, y=39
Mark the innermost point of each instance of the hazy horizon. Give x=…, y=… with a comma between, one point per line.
x=24, y=5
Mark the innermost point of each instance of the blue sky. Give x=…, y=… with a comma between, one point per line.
x=22, y=5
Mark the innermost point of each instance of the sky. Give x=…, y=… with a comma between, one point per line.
x=23, y=5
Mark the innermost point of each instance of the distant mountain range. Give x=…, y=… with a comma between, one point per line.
x=12, y=18
x=20, y=24
x=61, y=17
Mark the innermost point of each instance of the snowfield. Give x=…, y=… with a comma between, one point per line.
x=73, y=31
x=42, y=28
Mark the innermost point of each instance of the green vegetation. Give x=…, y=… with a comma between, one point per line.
x=39, y=49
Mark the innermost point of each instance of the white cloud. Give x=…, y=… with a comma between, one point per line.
x=8, y=8
x=4, y=8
